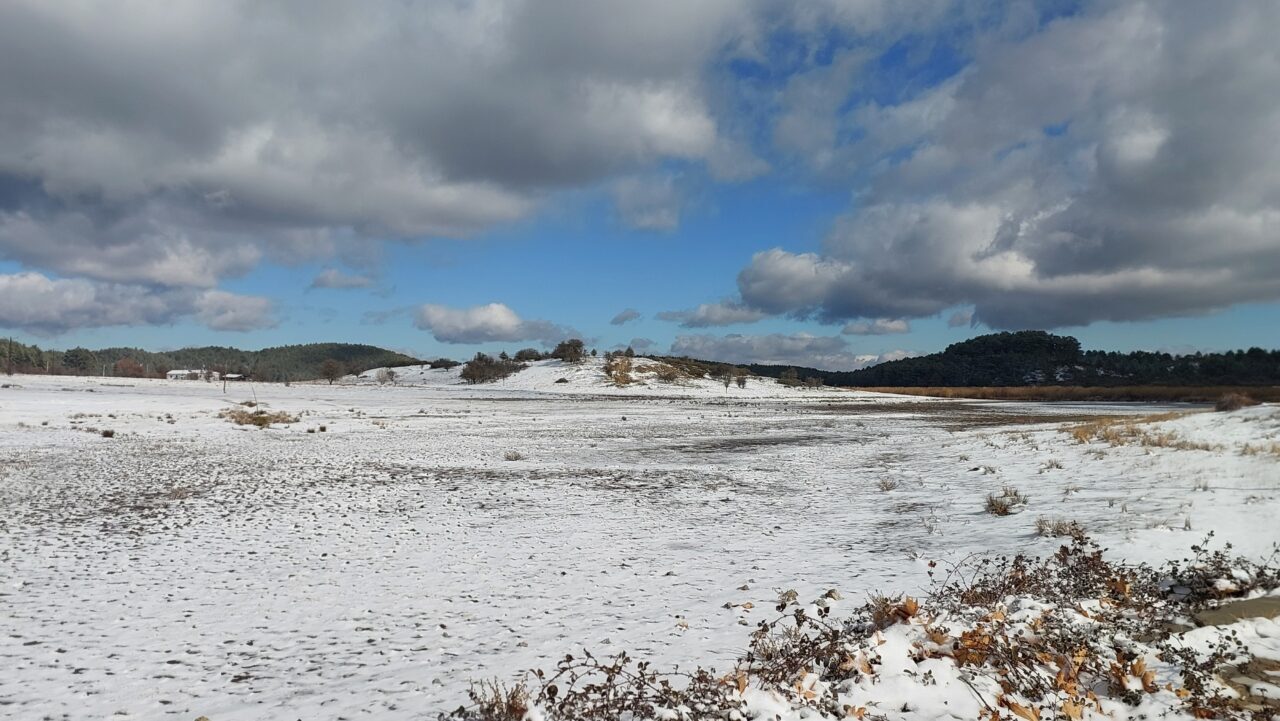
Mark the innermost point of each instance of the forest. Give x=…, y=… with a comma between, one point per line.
x=282, y=363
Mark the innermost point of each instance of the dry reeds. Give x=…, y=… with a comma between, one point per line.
x=1159, y=394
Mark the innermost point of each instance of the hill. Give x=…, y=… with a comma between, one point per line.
x=1037, y=358
x=290, y=362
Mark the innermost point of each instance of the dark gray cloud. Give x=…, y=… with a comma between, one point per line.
x=198, y=139
x=1115, y=165
x=625, y=316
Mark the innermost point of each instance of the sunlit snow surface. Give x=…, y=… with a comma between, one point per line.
x=195, y=567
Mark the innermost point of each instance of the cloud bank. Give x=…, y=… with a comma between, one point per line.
x=490, y=323
x=1118, y=164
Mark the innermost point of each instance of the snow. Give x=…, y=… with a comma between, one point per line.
x=188, y=566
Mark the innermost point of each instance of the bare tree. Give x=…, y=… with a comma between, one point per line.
x=331, y=370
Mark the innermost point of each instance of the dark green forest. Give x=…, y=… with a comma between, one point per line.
x=1033, y=358
x=283, y=363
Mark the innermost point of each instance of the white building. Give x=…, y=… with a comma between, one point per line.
x=190, y=375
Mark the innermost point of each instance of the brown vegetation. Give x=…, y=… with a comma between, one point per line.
x=1005, y=502
x=259, y=418
x=1131, y=431
x=1049, y=667
x=1234, y=402
x=1150, y=394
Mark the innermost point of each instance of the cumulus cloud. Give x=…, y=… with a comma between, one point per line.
x=48, y=306
x=1116, y=164
x=227, y=311
x=713, y=314
x=334, y=278
x=486, y=324
x=879, y=326
x=640, y=344
x=800, y=349
x=199, y=139
x=626, y=316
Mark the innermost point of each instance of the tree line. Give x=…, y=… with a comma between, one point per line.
x=283, y=363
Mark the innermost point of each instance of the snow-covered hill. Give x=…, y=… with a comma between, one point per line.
x=554, y=376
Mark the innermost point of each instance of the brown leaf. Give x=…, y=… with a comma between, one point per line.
x=1030, y=714
x=1072, y=710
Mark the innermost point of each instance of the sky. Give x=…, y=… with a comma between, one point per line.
x=831, y=183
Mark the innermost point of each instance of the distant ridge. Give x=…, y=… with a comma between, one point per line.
x=1037, y=358
x=280, y=363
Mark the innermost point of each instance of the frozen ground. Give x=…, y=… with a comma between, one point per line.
x=191, y=567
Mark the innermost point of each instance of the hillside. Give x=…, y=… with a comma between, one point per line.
x=290, y=362
x=1037, y=358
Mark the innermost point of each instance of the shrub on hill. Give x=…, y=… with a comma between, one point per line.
x=570, y=351
x=487, y=369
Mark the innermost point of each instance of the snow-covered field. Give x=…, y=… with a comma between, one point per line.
x=188, y=566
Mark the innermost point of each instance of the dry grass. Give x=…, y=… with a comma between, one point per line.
x=259, y=418
x=1233, y=402
x=619, y=371
x=1057, y=527
x=663, y=372
x=513, y=456
x=1005, y=502
x=1249, y=449
x=1132, y=432
x=1166, y=394
x=888, y=484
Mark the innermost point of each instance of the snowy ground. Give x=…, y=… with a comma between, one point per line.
x=190, y=567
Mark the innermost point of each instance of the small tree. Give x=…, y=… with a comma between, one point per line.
x=570, y=351
x=331, y=370
x=129, y=368
x=629, y=352
x=525, y=355
x=742, y=381
x=789, y=377
x=80, y=360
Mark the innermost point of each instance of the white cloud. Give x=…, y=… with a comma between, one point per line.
x=799, y=349
x=50, y=306
x=490, y=323
x=1117, y=164
x=713, y=314
x=879, y=326
x=227, y=311
x=199, y=139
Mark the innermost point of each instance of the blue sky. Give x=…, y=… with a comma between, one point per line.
x=778, y=180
